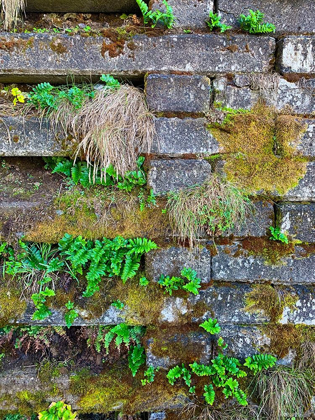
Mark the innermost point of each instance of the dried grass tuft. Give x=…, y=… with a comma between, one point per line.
x=114, y=128
x=213, y=207
x=11, y=10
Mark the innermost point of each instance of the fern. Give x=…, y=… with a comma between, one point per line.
x=253, y=23
x=215, y=22
x=211, y=326
x=136, y=358
x=209, y=394
x=167, y=18
x=259, y=362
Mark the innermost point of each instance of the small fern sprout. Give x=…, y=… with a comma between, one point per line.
x=254, y=23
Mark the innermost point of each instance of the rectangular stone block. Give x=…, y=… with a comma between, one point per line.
x=172, y=93
x=170, y=262
x=31, y=137
x=81, y=6
x=190, y=14
x=232, y=263
x=305, y=190
x=296, y=54
x=34, y=57
x=287, y=15
x=245, y=91
x=298, y=220
x=171, y=175
x=175, y=137
x=257, y=223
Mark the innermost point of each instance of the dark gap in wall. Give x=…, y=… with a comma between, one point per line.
x=215, y=6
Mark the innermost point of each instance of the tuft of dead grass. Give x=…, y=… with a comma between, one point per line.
x=307, y=359
x=213, y=207
x=115, y=127
x=11, y=10
x=284, y=392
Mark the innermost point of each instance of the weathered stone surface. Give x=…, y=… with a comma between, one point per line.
x=305, y=190
x=243, y=341
x=234, y=264
x=170, y=262
x=31, y=137
x=174, y=93
x=30, y=57
x=172, y=175
x=297, y=54
x=157, y=416
x=188, y=13
x=307, y=144
x=298, y=220
x=287, y=15
x=177, y=137
x=303, y=311
x=297, y=98
x=257, y=223
x=81, y=6
x=198, y=342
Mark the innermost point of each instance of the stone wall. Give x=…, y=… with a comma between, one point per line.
x=260, y=291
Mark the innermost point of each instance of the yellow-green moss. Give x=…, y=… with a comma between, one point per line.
x=273, y=252
x=12, y=306
x=270, y=300
x=96, y=213
x=261, y=150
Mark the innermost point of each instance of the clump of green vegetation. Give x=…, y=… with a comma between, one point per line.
x=58, y=411
x=254, y=23
x=284, y=392
x=213, y=207
x=214, y=22
x=224, y=371
x=249, y=142
x=189, y=282
x=156, y=16
x=277, y=235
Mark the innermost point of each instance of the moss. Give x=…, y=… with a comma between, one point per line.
x=57, y=46
x=261, y=150
x=272, y=251
x=95, y=213
x=270, y=300
x=12, y=306
x=143, y=305
x=283, y=338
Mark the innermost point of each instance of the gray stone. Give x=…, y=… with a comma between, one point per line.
x=286, y=15
x=298, y=220
x=305, y=190
x=232, y=263
x=29, y=57
x=292, y=97
x=173, y=310
x=297, y=54
x=303, y=311
x=199, y=341
x=175, y=137
x=173, y=93
x=171, y=175
x=307, y=143
x=188, y=13
x=243, y=341
x=170, y=262
x=157, y=416
x=81, y=6
x=31, y=137
x=257, y=223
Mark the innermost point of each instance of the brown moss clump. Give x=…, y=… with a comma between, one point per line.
x=11, y=305
x=271, y=251
x=283, y=338
x=269, y=300
x=261, y=150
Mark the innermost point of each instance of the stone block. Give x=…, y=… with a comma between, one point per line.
x=257, y=223
x=188, y=13
x=81, y=6
x=297, y=54
x=31, y=137
x=175, y=137
x=35, y=57
x=170, y=262
x=286, y=15
x=171, y=175
x=291, y=97
x=307, y=143
x=233, y=263
x=303, y=311
x=174, y=93
x=305, y=190
x=297, y=220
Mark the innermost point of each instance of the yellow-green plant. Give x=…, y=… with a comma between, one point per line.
x=58, y=411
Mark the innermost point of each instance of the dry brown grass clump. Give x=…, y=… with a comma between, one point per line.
x=11, y=10
x=213, y=207
x=114, y=128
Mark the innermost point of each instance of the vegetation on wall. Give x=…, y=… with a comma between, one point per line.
x=156, y=16
x=11, y=10
x=260, y=149
x=254, y=23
